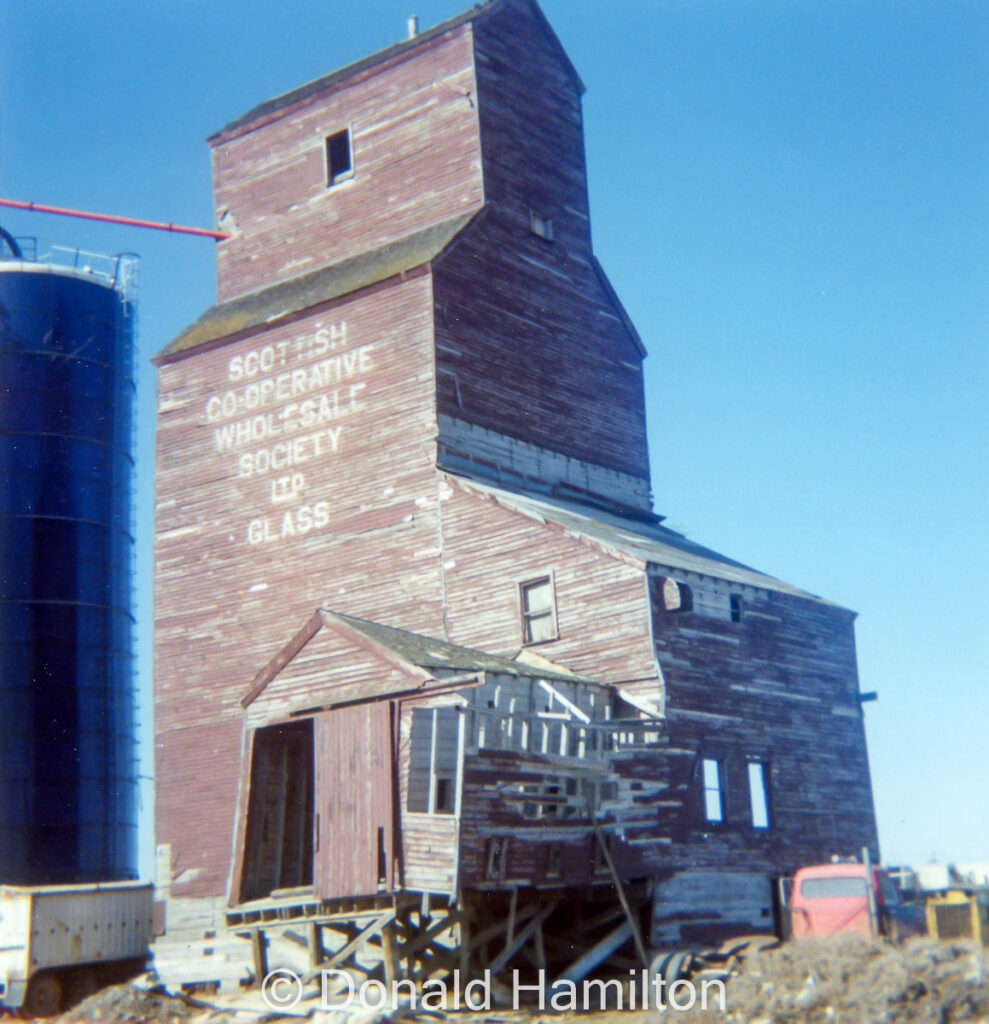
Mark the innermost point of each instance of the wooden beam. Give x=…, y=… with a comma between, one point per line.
x=523, y=936
x=369, y=932
x=633, y=922
x=421, y=941
x=598, y=953
x=314, y=943
x=513, y=907
x=540, y=948
x=389, y=950
x=259, y=949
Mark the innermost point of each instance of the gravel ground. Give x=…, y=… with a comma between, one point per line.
x=841, y=980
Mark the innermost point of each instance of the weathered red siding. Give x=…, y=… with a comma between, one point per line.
x=355, y=798
x=416, y=156
x=529, y=341
x=298, y=467
x=243, y=556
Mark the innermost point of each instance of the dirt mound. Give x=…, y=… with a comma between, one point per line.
x=850, y=980
x=130, y=1002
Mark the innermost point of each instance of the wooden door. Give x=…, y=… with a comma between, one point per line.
x=354, y=827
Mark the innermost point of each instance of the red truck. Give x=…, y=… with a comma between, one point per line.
x=829, y=898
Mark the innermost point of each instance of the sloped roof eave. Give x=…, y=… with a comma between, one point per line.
x=285, y=299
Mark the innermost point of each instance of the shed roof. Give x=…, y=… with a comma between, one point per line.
x=268, y=305
x=653, y=543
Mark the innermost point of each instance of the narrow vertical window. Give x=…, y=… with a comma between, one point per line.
x=497, y=851
x=737, y=607
x=339, y=159
x=713, y=775
x=538, y=611
x=433, y=756
x=759, y=794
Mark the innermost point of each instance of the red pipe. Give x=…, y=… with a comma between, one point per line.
x=17, y=204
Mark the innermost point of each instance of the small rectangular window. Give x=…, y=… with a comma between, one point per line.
x=444, y=796
x=339, y=159
x=541, y=226
x=538, y=611
x=758, y=794
x=497, y=854
x=737, y=606
x=554, y=861
x=713, y=775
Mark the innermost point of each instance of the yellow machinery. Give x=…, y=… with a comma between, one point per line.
x=956, y=914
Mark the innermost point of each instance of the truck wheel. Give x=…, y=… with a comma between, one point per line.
x=82, y=983
x=44, y=995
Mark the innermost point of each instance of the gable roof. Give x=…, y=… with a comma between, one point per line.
x=429, y=663
x=278, y=301
x=434, y=656
x=272, y=107
x=326, y=82
x=651, y=543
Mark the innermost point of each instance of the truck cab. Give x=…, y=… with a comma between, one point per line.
x=830, y=898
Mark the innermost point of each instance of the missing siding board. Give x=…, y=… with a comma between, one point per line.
x=538, y=610
x=339, y=157
x=433, y=758
x=673, y=595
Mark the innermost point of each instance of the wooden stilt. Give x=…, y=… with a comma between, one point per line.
x=259, y=949
x=632, y=920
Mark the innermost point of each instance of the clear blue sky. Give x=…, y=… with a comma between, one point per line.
x=791, y=200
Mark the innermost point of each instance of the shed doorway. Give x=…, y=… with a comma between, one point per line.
x=278, y=842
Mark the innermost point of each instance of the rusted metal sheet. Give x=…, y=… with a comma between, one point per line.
x=355, y=800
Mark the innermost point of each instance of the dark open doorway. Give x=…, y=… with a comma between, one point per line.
x=278, y=843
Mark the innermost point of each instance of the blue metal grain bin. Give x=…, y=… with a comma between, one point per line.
x=68, y=778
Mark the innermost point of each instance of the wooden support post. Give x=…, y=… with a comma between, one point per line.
x=361, y=939
x=583, y=966
x=389, y=954
x=465, y=939
x=519, y=941
x=632, y=920
x=540, y=948
x=513, y=907
x=314, y=943
x=259, y=947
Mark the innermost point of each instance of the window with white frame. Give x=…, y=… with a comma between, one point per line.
x=713, y=780
x=759, y=793
x=538, y=610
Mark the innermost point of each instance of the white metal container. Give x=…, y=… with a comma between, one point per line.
x=49, y=932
